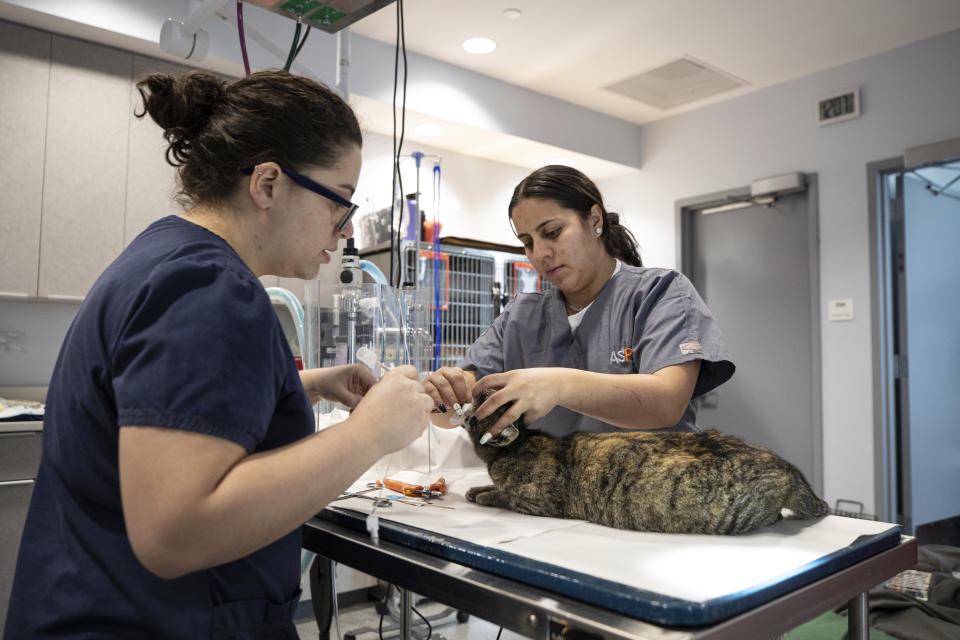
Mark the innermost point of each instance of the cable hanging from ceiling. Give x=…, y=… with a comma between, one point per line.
x=397, y=188
x=297, y=43
x=243, y=40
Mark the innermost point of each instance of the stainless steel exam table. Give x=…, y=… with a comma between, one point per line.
x=539, y=600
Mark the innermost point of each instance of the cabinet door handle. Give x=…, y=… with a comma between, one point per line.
x=14, y=483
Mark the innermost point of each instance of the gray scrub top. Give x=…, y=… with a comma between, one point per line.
x=644, y=319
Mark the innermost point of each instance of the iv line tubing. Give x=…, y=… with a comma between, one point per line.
x=405, y=360
x=243, y=41
x=437, y=329
x=418, y=231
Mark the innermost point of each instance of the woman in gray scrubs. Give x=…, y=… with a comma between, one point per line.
x=614, y=345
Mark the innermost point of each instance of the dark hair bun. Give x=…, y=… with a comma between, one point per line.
x=215, y=128
x=181, y=106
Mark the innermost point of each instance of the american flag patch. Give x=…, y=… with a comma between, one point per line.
x=690, y=347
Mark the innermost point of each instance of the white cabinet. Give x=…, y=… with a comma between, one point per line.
x=83, y=175
x=89, y=176
x=86, y=165
x=24, y=82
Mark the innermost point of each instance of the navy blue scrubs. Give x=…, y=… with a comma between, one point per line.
x=643, y=320
x=176, y=333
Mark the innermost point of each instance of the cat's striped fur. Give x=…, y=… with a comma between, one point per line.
x=695, y=482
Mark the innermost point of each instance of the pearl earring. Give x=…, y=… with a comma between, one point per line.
x=599, y=230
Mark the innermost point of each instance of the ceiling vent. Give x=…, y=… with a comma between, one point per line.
x=676, y=83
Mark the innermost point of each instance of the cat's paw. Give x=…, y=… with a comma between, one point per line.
x=489, y=498
x=473, y=492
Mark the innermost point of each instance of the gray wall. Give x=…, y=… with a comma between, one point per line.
x=909, y=97
x=37, y=329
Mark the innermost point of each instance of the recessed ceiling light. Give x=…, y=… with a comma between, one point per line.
x=429, y=130
x=479, y=45
x=511, y=14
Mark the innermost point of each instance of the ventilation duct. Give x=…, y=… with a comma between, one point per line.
x=676, y=83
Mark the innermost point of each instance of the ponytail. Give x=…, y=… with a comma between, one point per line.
x=618, y=240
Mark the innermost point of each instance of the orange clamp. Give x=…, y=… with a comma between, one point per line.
x=403, y=487
x=439, y=486
x=414, y=490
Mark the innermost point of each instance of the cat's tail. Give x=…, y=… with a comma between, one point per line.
x=803, y=502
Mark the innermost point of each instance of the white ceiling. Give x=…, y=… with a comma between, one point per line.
x=571, y=49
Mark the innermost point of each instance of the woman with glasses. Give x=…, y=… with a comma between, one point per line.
x=613, y=345
x=180, y=457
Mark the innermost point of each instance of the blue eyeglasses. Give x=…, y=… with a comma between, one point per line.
x=319, y=189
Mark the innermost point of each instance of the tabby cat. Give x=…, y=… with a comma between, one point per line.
x=670, y=482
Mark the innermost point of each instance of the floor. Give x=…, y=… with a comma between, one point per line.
x=361, y=621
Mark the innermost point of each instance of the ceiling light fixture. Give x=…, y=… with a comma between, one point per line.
x=511, y=14
x=479, y=46
x=429, y=130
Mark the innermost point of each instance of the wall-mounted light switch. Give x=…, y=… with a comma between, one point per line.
x=840, y=310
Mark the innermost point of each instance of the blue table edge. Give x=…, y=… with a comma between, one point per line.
x=631, y=601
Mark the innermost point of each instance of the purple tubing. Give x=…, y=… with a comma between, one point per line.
x=243, y=42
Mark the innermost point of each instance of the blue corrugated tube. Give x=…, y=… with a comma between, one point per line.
x=389, y=294
x=295, y=308
x=374, y=271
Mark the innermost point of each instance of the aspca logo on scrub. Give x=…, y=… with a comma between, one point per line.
x=621, y=357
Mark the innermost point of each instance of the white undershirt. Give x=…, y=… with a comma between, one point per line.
x=576, y=318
